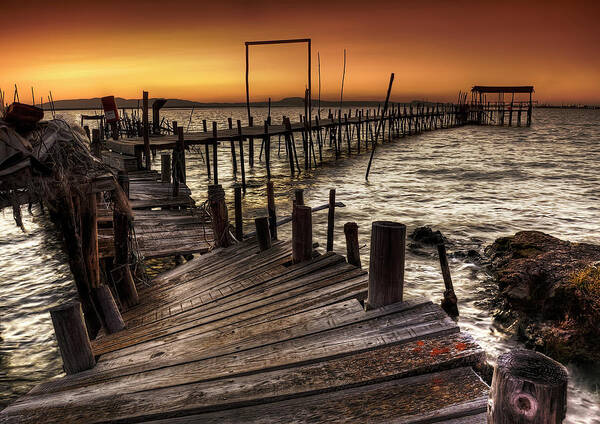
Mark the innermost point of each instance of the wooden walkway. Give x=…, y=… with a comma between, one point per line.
x=239, y=335
x=401, y=123
x=178, y=228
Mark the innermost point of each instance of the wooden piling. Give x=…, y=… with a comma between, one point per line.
x=251, y=144
x=449, y=303
x=267, y=143
x=122, y=218
x=214, y=148
x=330, y=220
x=242, y=166
x=96, y=146
x=220, y=220
x=263, y=235
x=175, y=127
x=352, y=249
x=165, y=168
x=239, y=220
x=110, y=314
x=299, y=196
x=89, y=237
x=72, y=337
x=301, y=233
x=232, y=145
x=146, y=129
x=271, y=210
x=386, y=268
x=179, y=175
x=527, y=387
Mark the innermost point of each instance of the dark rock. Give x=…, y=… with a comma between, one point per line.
x=426, y=236
x=550, y=290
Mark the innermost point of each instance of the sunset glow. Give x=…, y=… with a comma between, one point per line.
x=193, y=50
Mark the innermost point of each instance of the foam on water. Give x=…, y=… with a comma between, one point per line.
x=473, y=183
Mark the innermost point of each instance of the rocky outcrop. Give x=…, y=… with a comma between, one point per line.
x=550, y=292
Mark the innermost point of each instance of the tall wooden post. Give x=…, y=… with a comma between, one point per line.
x=214, y=149
x=232, y=145
x=251, y=144
x=386, y=268
x=220, y=220
x=146, y=130
x=72, y=337
x=262, y=232
x=352, y=249
x=89, y=238
x=122, y=218
x=239, y=220
x=165, y=168
x=242, y=166
x=96, y=146
x=179, y=175
x=271, y=210
x=330, y=219
x=527, y=387
x=301, y=233
x=206, y=151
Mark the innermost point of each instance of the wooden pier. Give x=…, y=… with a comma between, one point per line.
x=352, y=132
x=243, y=335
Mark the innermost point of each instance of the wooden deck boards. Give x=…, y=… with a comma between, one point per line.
x=130, y=146
x=239, y=335
x=163, y=232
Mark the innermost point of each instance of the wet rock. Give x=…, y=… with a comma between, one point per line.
x=550, y=293
x=426, y=236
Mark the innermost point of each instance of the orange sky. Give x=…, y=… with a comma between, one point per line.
x=191, y=50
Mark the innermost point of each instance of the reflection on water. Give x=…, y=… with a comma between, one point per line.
x=473, y=183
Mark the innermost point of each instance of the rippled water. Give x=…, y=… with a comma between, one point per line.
x=472, y=183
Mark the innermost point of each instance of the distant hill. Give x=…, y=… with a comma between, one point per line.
x=94, y=103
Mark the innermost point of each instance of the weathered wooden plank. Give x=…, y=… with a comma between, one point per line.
x=366, y=368
x=422, y=399
x=363, y=336
x=224, y=308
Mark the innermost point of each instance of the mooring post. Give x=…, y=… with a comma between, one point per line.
x=449, y=303
x=232, y=145
x=178, y=162
x=527, y=387
x=122, y=217
x=96, y=146
x=263, y=235
x=109, y=312
x=299, y=196
x=206, y=151
x=220, y=220
x=251, y=144
x=214, y=149
x=146, y=129
x=72, y=337
x=239, y=220
x=267, y=143
x=386, y=268
x=89, y=237
x=330, y=219
x=271, y=210
x=352, y=249
x=175, y=127
x=242, y=166
x=165, y=168
x=301, y=233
